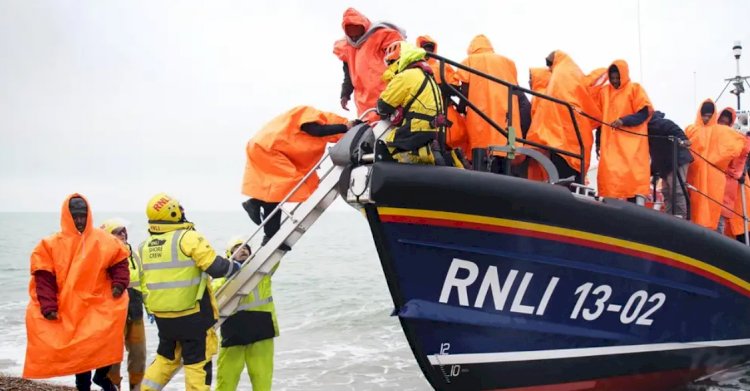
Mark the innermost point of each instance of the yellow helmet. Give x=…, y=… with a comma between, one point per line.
x=111, y=225
x=162, y=207
x=234, y=242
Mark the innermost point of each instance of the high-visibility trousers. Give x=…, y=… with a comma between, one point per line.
x=135, y=344
x=257, y=357
x=193, y=355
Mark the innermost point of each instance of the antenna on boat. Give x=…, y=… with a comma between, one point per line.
x=737, y=81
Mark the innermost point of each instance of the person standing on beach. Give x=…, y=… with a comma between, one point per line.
x=135, y=333
x=176, y=261
x=76, y=316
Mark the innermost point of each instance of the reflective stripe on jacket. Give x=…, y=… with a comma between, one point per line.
x=172, y=279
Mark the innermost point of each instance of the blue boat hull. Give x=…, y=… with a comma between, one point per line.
x=511, y=286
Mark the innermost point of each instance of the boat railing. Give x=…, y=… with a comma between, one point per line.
x=510, y=133
x=512, y=138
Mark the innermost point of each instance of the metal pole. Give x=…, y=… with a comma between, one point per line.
x=675, y=172
x=511, y=132
x=738, y=101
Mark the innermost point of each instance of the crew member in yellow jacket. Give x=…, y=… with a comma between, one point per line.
x=247, y=335
x=176, y=261
x=413, y=102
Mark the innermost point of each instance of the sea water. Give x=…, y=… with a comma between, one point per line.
x=331, y=299
x=332, y=302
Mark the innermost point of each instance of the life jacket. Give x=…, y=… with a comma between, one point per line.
x=135, y=269
x=172, y=279
x=255, y=317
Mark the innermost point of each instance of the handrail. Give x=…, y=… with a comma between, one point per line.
x=289, y=195
x=512, y=88
x=278, y=208
x=511, y=91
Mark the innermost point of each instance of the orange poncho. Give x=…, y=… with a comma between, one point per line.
x=735, y=170
x=625, y=163
x=365, y=58
x=597, y=80
x=552, y=124
x=450, y=73
x=280, y=154
x=719, y=145
x=88, y=333
x=736, y=225
x=490, y=97
x=538, y=81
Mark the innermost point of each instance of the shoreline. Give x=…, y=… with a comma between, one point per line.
x=15, y=383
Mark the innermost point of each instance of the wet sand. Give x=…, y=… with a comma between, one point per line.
x=10, y=383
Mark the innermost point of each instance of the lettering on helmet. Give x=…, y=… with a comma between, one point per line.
x=160, y=204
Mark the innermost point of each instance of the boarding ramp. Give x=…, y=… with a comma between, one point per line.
x=295, y=222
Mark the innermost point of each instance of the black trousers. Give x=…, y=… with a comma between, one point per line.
x=564, y=170
x=265, y=209
x=83, y=380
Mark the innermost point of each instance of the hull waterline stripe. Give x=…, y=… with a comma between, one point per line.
x=494, y=224
x=481, y=358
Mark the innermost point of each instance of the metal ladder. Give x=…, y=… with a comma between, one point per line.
x=293, y=226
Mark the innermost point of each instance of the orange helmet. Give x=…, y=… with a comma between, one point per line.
x=392, y=53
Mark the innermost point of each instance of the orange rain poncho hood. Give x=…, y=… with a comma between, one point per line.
x=732, y=113
x=625, y=163
x=365, y=56
x=552, y=124
x=281, y=154
x=719, y=145
x=434, y=64
x=88, y=333
x=491, y=98
x=480, y=44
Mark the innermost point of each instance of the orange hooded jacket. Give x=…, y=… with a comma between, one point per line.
x=732, y=200
x=455, y=135
x=490, y=97
x=719, y=145
x=88, y=333
x=538, y=81
x=281, y=154
x=450, y=73
x=625, y=163
x=736, y=225
x=365, y=57
x=552, y=124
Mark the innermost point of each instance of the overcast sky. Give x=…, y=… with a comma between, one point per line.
x=119, y=100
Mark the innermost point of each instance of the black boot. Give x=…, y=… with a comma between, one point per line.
x=102, y=380
x=253, y=210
